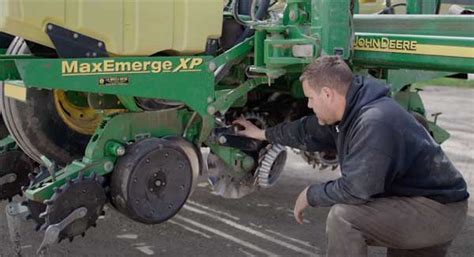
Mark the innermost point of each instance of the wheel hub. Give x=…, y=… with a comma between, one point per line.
x=82, y=119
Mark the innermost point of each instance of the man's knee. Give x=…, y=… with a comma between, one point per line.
x=340, y=217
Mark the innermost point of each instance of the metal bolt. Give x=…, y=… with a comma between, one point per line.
x=158, y=183
x=100, y=44
x=292, y=15
x=155, y=175
x=212, y=66
x=222, y=140
x=108, y=166
x=211, y=110
x=50, y=27
x=82, y=213
x=151, y=189
x=120, y=151
x=75, y=35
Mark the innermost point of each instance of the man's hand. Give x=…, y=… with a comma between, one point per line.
x=250, y=130
x=300, y=205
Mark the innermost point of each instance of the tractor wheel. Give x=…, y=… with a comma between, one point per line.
x=42, y=125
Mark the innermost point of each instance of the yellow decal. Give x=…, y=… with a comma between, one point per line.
x=15, y=92
x=388, y=45
x=78, y=68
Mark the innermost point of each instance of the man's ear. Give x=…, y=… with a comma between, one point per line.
x=326, y=92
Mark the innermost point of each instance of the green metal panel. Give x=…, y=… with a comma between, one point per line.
x=234, y=53
x=415, y=52
x=224, y=102
x=410, y=101
x=422, y=6
x=259, y=47
x=332, y=21
x=8, y=68
x=439, y=134
x=442, y=25
x=126, y=127
x=400, y=78
x=185, y=79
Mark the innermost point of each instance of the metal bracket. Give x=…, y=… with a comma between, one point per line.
x=51, y=234
x=7, y=144
x=226, y=136
x=50, y=166
x=70, y=44
x=15, y=214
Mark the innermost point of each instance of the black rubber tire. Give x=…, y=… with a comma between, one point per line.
x=3, y=128
x=35, y=124
x=126, y=173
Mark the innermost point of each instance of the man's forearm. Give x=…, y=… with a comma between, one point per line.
x=262, y=135
x=288, y=134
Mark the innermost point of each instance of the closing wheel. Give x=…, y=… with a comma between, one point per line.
x=152, y=181
x=82, y=192
x=36, y=124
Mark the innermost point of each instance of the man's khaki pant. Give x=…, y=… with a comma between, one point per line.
x=407, y=226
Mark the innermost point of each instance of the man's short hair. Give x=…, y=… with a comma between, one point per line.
x=328, y=71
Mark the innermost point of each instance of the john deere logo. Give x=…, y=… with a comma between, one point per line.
x=77, y=68
x=384, y=43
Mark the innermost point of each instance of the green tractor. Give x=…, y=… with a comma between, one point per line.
x=114, y=106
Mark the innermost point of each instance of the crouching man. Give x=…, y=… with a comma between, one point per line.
x=398, y=189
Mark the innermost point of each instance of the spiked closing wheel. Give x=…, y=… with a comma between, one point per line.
x=321, y=160
x=271, y=163
x=35, y=209
x=153, y=180
x=82, y=192
x=14, y=169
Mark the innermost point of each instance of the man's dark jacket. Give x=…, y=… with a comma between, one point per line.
x=383, y=151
